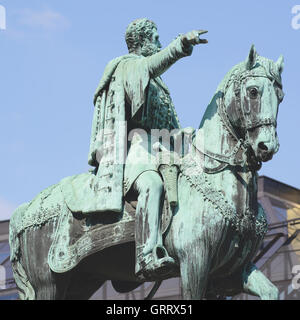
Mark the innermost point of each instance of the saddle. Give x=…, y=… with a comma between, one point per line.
x=78, y=236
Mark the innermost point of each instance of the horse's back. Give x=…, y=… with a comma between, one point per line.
x=31, y=230
x=34, y=214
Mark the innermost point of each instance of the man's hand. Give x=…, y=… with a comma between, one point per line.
x=193, y=38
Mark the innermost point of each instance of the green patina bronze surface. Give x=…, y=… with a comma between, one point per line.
x=151, y=208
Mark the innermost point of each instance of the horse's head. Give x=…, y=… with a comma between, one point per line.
x=252, y=94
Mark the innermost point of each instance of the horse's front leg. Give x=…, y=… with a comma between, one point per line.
x=194, y=273
x=257, y=284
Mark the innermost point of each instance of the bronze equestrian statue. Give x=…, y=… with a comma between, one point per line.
x=117, y=222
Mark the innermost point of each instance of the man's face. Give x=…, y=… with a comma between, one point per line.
x=151, y=45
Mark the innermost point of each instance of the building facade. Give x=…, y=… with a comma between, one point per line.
x=8, y=290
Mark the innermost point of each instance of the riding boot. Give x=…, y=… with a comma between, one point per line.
x=152, y=259
x=155, y=265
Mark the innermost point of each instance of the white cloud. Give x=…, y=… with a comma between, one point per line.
x=6, y=209
x=46, y=19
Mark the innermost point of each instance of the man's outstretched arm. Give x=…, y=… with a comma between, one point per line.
x=181, y=47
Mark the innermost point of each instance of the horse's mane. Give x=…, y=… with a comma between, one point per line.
x=263, y=65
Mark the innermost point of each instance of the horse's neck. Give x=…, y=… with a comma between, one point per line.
x=237, y=183
x=212, y=136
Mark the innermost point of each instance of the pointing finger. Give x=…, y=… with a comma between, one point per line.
x=202, y=32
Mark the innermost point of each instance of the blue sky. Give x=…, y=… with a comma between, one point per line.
x=53, y=52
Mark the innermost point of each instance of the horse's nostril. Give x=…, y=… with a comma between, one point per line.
x=262, y=146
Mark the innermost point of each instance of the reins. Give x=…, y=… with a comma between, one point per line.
x=242, y=152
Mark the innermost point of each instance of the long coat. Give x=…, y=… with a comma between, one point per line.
x=123, y=95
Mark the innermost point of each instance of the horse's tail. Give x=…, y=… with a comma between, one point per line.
x=26, y=291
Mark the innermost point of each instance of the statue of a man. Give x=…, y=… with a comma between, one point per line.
x=131, y=91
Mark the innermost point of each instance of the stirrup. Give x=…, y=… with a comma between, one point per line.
x=155, y=265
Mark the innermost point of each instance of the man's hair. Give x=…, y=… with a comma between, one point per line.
x=137, y=31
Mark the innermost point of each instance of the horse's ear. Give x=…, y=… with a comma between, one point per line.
x=251, y=60
x=280, y=64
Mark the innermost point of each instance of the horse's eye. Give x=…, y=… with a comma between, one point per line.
x=253, y=93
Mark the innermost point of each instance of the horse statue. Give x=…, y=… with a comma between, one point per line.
x=213, y=233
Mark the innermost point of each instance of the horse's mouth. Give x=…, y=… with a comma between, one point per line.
x=265, y=156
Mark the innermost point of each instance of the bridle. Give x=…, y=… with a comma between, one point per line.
x=242, y=153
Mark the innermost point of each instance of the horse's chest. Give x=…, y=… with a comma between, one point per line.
x=238, y=246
